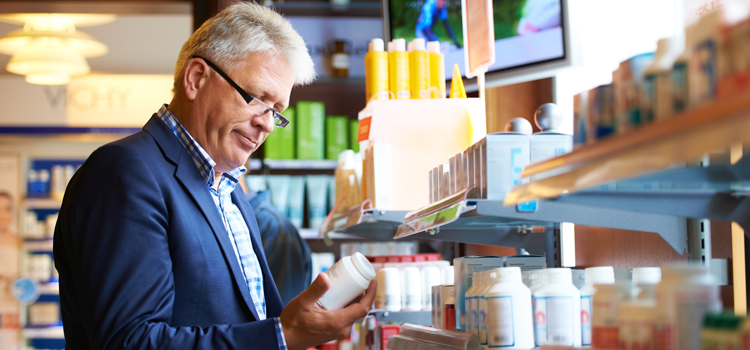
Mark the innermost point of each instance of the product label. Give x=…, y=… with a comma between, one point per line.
x=403, y=95
x=475, y=315
x=340, y=61
x=553, y=320
x=703, y=72
x=500, y=321
x=641, y=335
x=410, y=300
x=606, y=338
x=679, y=86
x=586, y=320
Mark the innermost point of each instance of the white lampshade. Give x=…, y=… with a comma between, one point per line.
x=48, y=61
x=87, y=45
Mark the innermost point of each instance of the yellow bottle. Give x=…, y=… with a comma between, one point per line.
x=376, y=71
x=437, y=68
x=398, y=69
x=419, y=69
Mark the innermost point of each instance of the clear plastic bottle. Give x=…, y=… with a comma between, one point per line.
x=685, y=293
x=509, y=316
x=557, y=310
x=636, y=321
x=594, y=275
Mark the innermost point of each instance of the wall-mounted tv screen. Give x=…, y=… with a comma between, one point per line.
x=528, y=33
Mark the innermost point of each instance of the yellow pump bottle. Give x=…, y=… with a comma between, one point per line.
x=398, y=69
x=419, y=69
x=437, y=68
x=376, y=71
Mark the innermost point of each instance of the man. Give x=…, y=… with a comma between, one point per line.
x=155, y=244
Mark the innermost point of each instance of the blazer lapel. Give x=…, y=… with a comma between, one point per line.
x=187, y=174
x=273, y=299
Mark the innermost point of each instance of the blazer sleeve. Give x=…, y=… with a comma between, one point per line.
x=112, y=236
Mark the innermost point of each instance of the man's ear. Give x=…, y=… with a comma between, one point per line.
x=195, y=76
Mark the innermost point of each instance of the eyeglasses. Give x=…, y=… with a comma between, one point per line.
x=256, y=105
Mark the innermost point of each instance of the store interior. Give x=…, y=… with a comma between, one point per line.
x=584, y=146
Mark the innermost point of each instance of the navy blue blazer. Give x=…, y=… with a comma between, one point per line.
x=144, y=259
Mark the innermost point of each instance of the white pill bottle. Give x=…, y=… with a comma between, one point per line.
x=388, y=296
x=509, y=317
x=557, y=310
x=594, y=275
x=685, y=293
x=349, y=278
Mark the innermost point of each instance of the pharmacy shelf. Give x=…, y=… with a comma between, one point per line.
x=309, y=233
x=714, y=126
x=300, y=164
x=366, y=222
x=44, y=333
x=42, y=203
x=38, y=245
x=423, y=318
x=460, y=218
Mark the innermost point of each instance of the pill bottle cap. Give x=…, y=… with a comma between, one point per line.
x=506, y=275
x=646, y=275
x=363, y=266
x=558, y=275
x=399, y=44
x=600, y=275
x=417, y=44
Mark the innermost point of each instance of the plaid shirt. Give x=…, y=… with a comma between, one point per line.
x=231, y=216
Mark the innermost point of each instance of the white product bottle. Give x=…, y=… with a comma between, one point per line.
x=411, y=289
x=482, y=302
x=430, y=276
x=605, y=307
x=388, y=296
x=475, y=303
x=446, y=275
x=594, y=275
x=684, y=295
x=539, y=279
x=468, y=302
x=349, y=278
x=645, y=280
x=557, y=310
x=510, y=323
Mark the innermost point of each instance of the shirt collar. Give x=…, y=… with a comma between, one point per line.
x=202, y=160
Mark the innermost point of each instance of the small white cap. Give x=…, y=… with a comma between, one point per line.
x=417, y=44
x=377, y=44
x=559, y=275
x=391, y=47
x=506, y=275
x=346, y=159
x=446, y=275
x=519, y=125
x=600, y=275
x=433, y=46
x=399, y=44
x=646, y=275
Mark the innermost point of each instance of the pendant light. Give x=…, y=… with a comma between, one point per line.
x=49, y=50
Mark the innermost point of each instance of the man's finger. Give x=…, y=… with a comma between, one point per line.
x=316, y=290
x=369, y=296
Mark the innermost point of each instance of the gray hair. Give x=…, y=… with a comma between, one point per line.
x=241, y=29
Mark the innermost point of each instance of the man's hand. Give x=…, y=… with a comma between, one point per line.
x=306, y=324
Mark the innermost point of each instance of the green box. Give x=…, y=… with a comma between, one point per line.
x=354, y=135
x=280, y=142
x=310, y=130
x=337, y=140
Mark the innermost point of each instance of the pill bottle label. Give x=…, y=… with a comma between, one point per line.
x=553, y=320
x=500, y=321
x=641, y=334
x=586, y=320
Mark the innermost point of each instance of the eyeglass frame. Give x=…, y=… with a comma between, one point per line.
x=279, y=120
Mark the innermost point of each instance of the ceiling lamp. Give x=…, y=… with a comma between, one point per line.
x=49, y=50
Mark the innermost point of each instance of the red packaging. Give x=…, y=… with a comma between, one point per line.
x=407, y=258
x=394, y=258
x=378, y=259
x=386, y=332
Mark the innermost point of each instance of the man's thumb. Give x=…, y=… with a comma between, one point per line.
x=316, y=290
